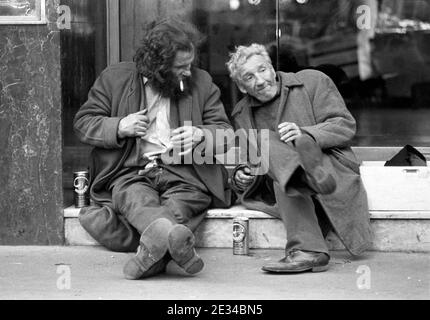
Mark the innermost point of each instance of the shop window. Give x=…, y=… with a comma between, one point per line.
x=376, y=52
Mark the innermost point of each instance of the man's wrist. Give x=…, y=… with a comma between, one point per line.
x=120, y=131
x=119, y=135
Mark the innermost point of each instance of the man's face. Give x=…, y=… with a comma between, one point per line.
x=258, y=78
x=179, y=71
x=181, y=68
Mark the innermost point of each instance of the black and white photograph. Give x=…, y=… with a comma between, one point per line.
x=215, y=156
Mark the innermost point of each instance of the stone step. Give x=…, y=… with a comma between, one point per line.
x=393, y=230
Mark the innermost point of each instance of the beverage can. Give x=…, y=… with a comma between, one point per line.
x=81, y=188
x=240, y=236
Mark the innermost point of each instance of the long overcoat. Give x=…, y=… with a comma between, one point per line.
x=310, y=99
x=115, y=94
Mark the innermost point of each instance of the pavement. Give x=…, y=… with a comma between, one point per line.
x=83, y=273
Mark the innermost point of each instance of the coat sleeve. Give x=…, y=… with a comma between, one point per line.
x=335, y=126
x=93, y=123
x=215, y=121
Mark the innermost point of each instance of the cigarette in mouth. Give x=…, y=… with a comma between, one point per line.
x=181, y=85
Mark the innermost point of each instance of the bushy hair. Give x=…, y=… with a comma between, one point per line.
x=243, y=53
x=160, y=43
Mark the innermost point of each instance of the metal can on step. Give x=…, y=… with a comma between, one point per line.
x=81, y=185
x=240, y=236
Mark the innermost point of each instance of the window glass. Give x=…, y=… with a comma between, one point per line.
x=229, y=23
x=376, y=51
x=83, y=57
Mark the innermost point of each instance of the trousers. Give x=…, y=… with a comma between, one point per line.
x=161, y=193
x=303, y=217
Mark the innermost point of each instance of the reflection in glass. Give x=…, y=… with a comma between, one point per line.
x=229, y=23
x=376, y=52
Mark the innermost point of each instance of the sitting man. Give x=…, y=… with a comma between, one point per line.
x=136, y=116
x=312, y=181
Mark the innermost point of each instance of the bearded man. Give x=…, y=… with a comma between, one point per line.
x=135, y=115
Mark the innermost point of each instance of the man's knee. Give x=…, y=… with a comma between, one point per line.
x=125, y=199
x=179, y=211
x=109, y=229
x=183, y=210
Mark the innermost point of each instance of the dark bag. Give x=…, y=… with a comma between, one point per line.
x=408, y=156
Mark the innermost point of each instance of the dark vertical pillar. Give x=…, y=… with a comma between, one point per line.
x=30, y=133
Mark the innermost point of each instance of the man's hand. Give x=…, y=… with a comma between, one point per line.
x=289, y=131
x=243, y=178
x=186, y=138
x=133, y=125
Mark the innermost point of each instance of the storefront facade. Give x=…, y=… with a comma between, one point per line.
x=377, y=52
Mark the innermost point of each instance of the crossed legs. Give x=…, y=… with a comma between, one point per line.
x=160, y=208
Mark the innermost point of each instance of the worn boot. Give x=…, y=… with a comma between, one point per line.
x=181, y=248
x=148, y=260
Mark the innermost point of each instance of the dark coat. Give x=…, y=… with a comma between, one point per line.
x=114, y=95
x=310, y=99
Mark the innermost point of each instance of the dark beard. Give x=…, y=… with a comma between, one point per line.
x=169, y=86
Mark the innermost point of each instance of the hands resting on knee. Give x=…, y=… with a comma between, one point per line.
x=289, y=131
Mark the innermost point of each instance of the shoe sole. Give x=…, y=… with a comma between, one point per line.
x=320, y=268
x=157, y=249
x=180, y=244
x=312, y=269
x=312, y=160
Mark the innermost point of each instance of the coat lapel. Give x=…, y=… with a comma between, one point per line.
x=134, y=97
x=173, y=115
x=282, y=102
x=288, y=80
x=245, y=123
x=184, y=110
x=246, y=117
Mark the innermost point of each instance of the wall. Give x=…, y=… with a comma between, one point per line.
x=30, y=133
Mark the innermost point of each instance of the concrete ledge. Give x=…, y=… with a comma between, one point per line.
x=241, y=211
x=393, y=230
x=75, y=235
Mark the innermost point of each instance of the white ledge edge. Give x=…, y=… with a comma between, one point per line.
x=240, y=211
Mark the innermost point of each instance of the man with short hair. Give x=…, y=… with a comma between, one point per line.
x=139, y=116
x=313, y=181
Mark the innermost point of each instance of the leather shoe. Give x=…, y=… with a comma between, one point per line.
x=299, y=261
x=148, y=259
x=181, y=248
x=311, y=158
